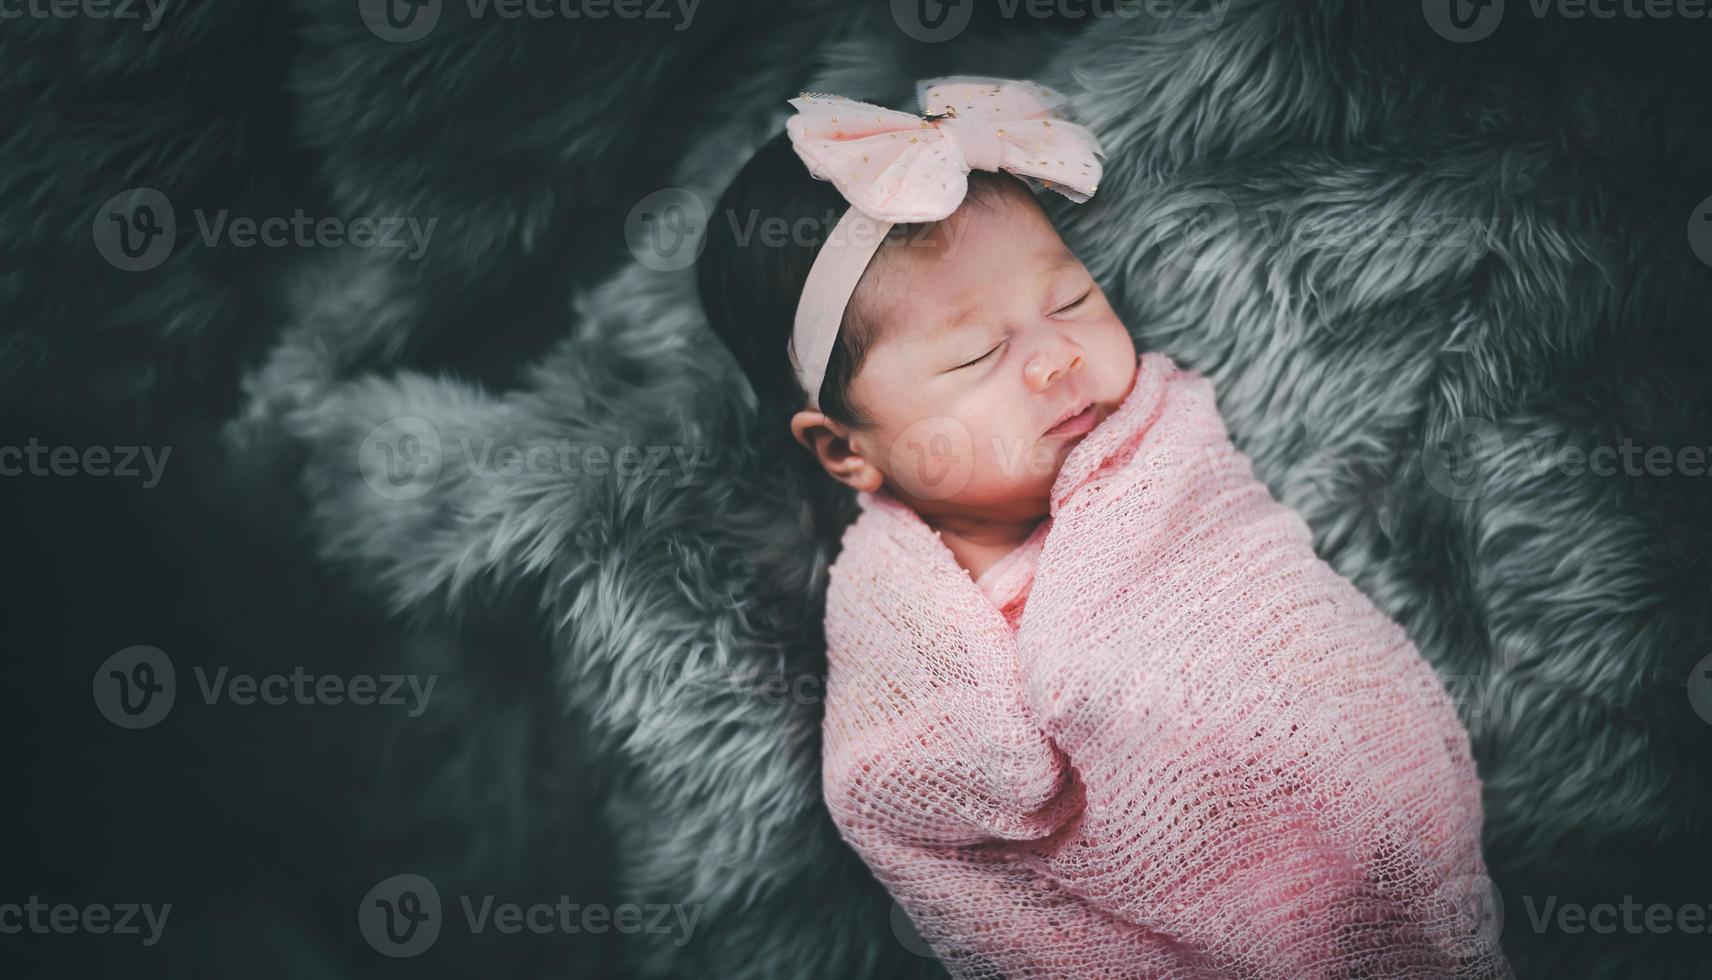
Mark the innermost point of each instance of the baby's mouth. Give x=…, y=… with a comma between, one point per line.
x=1080, y=423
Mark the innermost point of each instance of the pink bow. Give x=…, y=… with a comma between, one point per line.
x=902, y=168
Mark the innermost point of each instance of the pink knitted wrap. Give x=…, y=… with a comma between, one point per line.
x=1198, y=752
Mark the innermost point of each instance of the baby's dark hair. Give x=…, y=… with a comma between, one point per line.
x=762, y=238
x=750, y=277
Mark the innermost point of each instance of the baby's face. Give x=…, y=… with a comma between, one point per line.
x=990, y=335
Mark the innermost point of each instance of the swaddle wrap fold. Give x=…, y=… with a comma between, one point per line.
x=1201, y=753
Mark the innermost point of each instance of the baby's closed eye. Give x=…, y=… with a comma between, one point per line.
x=998, y=346
x=990, y=352
x=1078, y=301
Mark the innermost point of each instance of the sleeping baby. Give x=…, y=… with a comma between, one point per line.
x=1095, y=707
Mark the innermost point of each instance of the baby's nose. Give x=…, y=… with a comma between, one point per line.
x=1059, y=358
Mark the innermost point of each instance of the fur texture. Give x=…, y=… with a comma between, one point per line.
x=628, y=627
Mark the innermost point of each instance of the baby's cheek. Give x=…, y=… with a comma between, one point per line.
x=935, y=458
x=1119, y=347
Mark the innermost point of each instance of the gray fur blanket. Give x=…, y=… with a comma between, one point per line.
x=1429, y=279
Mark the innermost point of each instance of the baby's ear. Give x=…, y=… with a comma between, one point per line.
x=838, y=453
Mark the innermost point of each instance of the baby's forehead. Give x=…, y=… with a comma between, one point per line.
x=925, y=295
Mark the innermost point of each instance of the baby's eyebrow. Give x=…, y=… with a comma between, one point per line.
x=1064, y=260
x=962, y=317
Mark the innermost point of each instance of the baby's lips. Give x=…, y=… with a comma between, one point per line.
x=1079, y=423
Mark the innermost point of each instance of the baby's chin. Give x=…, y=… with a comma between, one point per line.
x=1006, y=497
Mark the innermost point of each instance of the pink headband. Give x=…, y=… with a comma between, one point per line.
x=894, y=168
